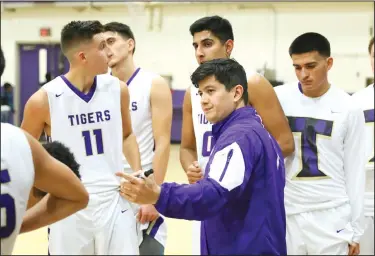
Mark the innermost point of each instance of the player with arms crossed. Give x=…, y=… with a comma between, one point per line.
x=89, y=113
x=240, y=201
x=212, y=39
x=365, y=99
x=325, y=178
x=24, y=164
x=151, y=113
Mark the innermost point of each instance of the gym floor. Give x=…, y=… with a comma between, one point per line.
x=178, y=243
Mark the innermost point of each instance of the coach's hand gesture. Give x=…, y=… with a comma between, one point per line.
x=194, y=173
x=139, y=190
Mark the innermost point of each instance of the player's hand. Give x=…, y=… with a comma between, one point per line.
x=147, y=213
x=139, y=190
x=354, y=249
x=194, y=173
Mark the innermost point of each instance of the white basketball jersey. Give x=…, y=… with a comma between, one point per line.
x=365, y=99
x=140, y=108
x=17, y=179
x=91, y=126
x=317, y=172
x=202, y=127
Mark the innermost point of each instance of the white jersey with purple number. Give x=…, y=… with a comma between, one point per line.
x=90, y=125
x=365, y=99
x=17, y=178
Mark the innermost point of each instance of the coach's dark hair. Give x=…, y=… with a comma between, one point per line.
x=371, y=43
x=310, y=42
x=220, y=27
x=121, y=28
x=79, y=31
x=60, y=152
x=226, y=71
x=2, y=61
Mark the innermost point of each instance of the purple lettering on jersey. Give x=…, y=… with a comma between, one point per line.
x=71, y=119
x=90, y=117
x=309, y=129
x=83, y=118
x=134, y=106
x=8, y=204
x=208, y=143
x=107, y=115
x=202, y=119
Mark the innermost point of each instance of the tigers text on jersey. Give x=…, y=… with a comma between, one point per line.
x=17, y=179
x=91, y=126
x=365, y=99
x=139, y=86
x=202, y=127
x=325, y=170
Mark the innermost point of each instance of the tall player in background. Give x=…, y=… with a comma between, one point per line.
x=212, y=39
x=365, y=99
x=151, y=112
x=24, y=164
x=325, y=178
x=89, y=113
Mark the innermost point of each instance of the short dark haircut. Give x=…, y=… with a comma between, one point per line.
x=226, y=71
x=63, y=154
x=121, y=28
x=76, y=32
x=310, y=42
x=220, y=27
x=371, y=43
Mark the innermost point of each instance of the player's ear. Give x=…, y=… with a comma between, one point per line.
x=131, y=44
x=238, y=92
x=81, y=56
x=329, y=63
x=229, y=47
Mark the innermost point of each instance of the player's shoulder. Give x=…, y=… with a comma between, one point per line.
x=364, y=93
x=11, y=133
x=54, y=85
x=286, y=90
x=107, y=82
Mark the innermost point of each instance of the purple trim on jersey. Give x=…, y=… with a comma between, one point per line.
x=132, y=77
x=300, y=87
x=156, y=227
x=229, y=156
x=86, y=97
x=4, y=176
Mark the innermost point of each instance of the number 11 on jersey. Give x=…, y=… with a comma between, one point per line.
x=98, y=139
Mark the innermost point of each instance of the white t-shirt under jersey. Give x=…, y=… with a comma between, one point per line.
x=17, y=179
x=365, y=99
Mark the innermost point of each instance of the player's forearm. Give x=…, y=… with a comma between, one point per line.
x=286, y=143
x=160, y=161
x=131, y=152
x=49, y=210
x=187, y=157
x=199, y=201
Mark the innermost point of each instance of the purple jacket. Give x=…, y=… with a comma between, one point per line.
x=240, y=201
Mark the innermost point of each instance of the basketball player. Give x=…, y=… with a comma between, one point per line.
x=365, y=99
x=89, y=113
x=213, y=38
x=151, y=112
x=24, y=163
x=241, y=198
x=325, y=180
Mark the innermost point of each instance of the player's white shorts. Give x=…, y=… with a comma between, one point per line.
x=106, y=227
x=325, y=232
x=156, y=229
x=367, y=240
x=196, y=239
